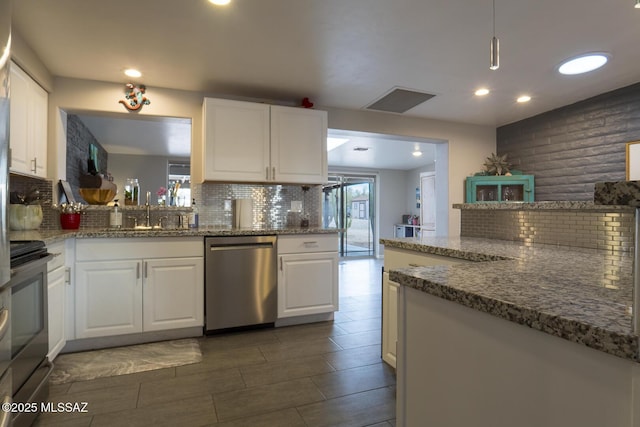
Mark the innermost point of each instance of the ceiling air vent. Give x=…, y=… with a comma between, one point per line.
x=399, y=100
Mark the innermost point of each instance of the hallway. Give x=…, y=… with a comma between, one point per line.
x=323, y=374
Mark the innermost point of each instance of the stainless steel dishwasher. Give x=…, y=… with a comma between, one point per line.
x=240, y=282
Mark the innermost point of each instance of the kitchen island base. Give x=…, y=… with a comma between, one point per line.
x=460, y=367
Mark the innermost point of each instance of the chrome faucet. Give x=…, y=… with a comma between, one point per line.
x=147, y=215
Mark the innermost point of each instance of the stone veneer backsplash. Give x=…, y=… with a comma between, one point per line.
x=612, y=231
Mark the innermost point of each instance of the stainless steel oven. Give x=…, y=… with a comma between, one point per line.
x=30, y=368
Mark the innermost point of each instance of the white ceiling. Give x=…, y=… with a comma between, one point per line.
x=344, y=53
x=143, y=135
x=383, y=151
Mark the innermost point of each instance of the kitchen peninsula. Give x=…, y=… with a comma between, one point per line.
x=518, y=332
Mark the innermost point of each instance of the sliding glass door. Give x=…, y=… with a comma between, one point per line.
x=349, y=203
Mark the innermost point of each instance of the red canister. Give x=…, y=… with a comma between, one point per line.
x=70, y=221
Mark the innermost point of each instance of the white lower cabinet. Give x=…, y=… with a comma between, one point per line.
x=133, y=294
x=307, y=275
x=56, y=295
x=399, y=258
x=108, y=298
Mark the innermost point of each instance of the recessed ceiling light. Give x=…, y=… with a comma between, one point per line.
x=583, y=63
x=482, y=91
x=417, y=153
x=523, y=98
x=220, y=2
x=132, y=73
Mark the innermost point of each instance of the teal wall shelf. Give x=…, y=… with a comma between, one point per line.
x=485, y=189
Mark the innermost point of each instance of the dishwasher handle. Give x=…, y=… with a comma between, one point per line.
x=241, y=246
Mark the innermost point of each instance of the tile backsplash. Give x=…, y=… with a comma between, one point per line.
x=214, y=201
x=271, y=202
x=612, y=231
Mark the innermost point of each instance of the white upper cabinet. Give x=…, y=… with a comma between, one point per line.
x=28, y=132
x=236, y=140
x=299, y=145
x=252, y=142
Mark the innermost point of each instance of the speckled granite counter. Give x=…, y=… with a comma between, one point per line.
x=51, y=236
x=543, y=206
x=582, y=295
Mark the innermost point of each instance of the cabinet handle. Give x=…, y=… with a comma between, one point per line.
x=35, y=165
x=9, y=158
x=273, y=173
x=137, y=270
x=67, y=276
x=146, y=269
x=280, y=263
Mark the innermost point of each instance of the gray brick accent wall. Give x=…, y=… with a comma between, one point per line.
x=571, y=148
x=78, y=140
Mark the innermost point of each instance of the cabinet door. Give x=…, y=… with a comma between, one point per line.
x=389, y=319
x=108, y=298
x=173, y=295
x=307, y=284
x=38, y=128
x=299, y=145
x=236, y=141
x=56, y=307
x=28, y=133
x=21, y=162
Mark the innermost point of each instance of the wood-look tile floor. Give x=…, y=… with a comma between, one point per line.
x=322, y=374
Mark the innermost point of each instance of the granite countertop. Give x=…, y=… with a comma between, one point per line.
x=582, y=295
x=542, y=206
x=52, y=236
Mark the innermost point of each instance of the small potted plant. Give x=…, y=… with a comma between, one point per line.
x=70, y=215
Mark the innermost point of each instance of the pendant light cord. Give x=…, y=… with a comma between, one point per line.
x=494, y=18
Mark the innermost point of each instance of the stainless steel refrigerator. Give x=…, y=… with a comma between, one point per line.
x=5, y=41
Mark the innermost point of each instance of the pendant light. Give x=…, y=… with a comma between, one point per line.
x=494, y=53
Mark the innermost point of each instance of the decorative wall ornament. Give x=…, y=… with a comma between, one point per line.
x=135, y=97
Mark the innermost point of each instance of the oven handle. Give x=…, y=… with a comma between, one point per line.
x=4, y=325
x=6, y=415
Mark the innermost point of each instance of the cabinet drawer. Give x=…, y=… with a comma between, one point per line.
x=136, y=248
x=308, y=243
x=58, y=252
x=398, y=258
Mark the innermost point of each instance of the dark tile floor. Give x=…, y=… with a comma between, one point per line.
x=323, y=374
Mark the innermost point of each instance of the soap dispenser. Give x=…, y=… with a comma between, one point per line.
x=194, y=217
x=115, y=216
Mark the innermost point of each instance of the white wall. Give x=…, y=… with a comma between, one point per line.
x=413, y=182
x=73, y=95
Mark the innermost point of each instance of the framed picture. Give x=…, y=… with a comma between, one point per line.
x=633, y=161
x=66, y=190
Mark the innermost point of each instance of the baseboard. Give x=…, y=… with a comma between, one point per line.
x=299, y=320
x=130, y=339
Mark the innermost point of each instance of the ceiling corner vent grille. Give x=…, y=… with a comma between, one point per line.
x=399, y=100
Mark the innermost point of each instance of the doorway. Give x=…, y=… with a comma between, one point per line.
x=349, y=203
